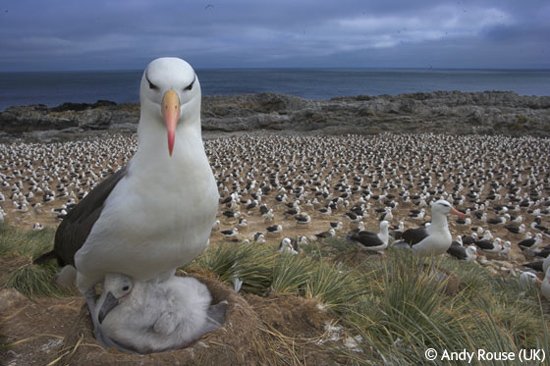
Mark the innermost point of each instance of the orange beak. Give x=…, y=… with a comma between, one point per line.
x=171, y=115
x=454, y=211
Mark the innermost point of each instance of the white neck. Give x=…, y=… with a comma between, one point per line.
x=438, y=223
x=384, y=234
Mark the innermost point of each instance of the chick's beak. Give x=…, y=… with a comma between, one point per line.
x=108, y=304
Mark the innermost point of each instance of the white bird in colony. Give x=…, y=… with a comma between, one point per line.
x=527, y=280
x=546, y=264
x=506, y=248
x=151, y=316
x=287, y=245
x=156, y=213
x=459, y=251
x=490, y=246
x=371, y=241
x=436, y=238
x=545, y=285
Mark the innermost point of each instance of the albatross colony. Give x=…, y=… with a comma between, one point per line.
x=338, y=181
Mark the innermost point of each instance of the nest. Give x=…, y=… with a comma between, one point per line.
x=231, y=344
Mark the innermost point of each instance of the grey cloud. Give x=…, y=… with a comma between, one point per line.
x=215, y=33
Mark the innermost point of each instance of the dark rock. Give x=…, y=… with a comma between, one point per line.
x=76, y=107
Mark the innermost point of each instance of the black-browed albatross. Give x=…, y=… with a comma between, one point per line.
x=156, y=213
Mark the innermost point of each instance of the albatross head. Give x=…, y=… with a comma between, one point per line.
x=170, y=94
x=115, y=289
x=443, y=207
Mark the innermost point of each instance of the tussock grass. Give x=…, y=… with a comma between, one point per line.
x=334, y=286
x=249, y=263
x=30, y=243
x=34, y=281
x=397, y=303
x=290, y=274
x=265, y=271
x=24, y=246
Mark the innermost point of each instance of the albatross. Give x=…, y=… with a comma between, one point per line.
x=156, y=213
x=146, y=316
x=436, y=238
x=371, y=241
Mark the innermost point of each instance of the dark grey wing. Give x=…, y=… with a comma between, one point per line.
x=74, y=229
x=537, y=265
x=457, y=251
x=485, y=244
x=367, y=239
x=415, y=236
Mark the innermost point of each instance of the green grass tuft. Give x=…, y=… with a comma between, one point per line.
x=34, y=281
x=29, y=243
x=334, y=286
x=290, y=274
x=249, y=263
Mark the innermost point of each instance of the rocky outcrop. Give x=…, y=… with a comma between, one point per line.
x=439, y=112
x=97, y=116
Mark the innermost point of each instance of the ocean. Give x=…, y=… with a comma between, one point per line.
x=54, y=88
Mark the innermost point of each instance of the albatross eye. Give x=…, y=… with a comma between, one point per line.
x=190, y=86
x=126, y=288
x=151, y=85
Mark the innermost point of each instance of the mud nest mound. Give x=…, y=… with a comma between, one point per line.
x=257, y=330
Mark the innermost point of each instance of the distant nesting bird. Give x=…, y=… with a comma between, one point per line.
x=302, y=219
x=532, y=242
x=230, y=233
x=417, y=214
x=287, y=245
x=259, y=238
x=274, y=229
x=527, y=280
x=326, y=234
x=371, y=241
x=387, y=215
x=491, y=246
x=457, y=250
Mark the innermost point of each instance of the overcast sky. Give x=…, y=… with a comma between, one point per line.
x=127, y=34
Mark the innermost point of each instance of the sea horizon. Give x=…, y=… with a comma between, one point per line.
x=121, y=86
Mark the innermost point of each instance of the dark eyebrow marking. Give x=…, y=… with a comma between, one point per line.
x=190, y=86
x=151, y=85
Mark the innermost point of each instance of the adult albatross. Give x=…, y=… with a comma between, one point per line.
x=436, y=238
x=156, y=213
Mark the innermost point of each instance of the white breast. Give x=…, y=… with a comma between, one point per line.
x=157, y=218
